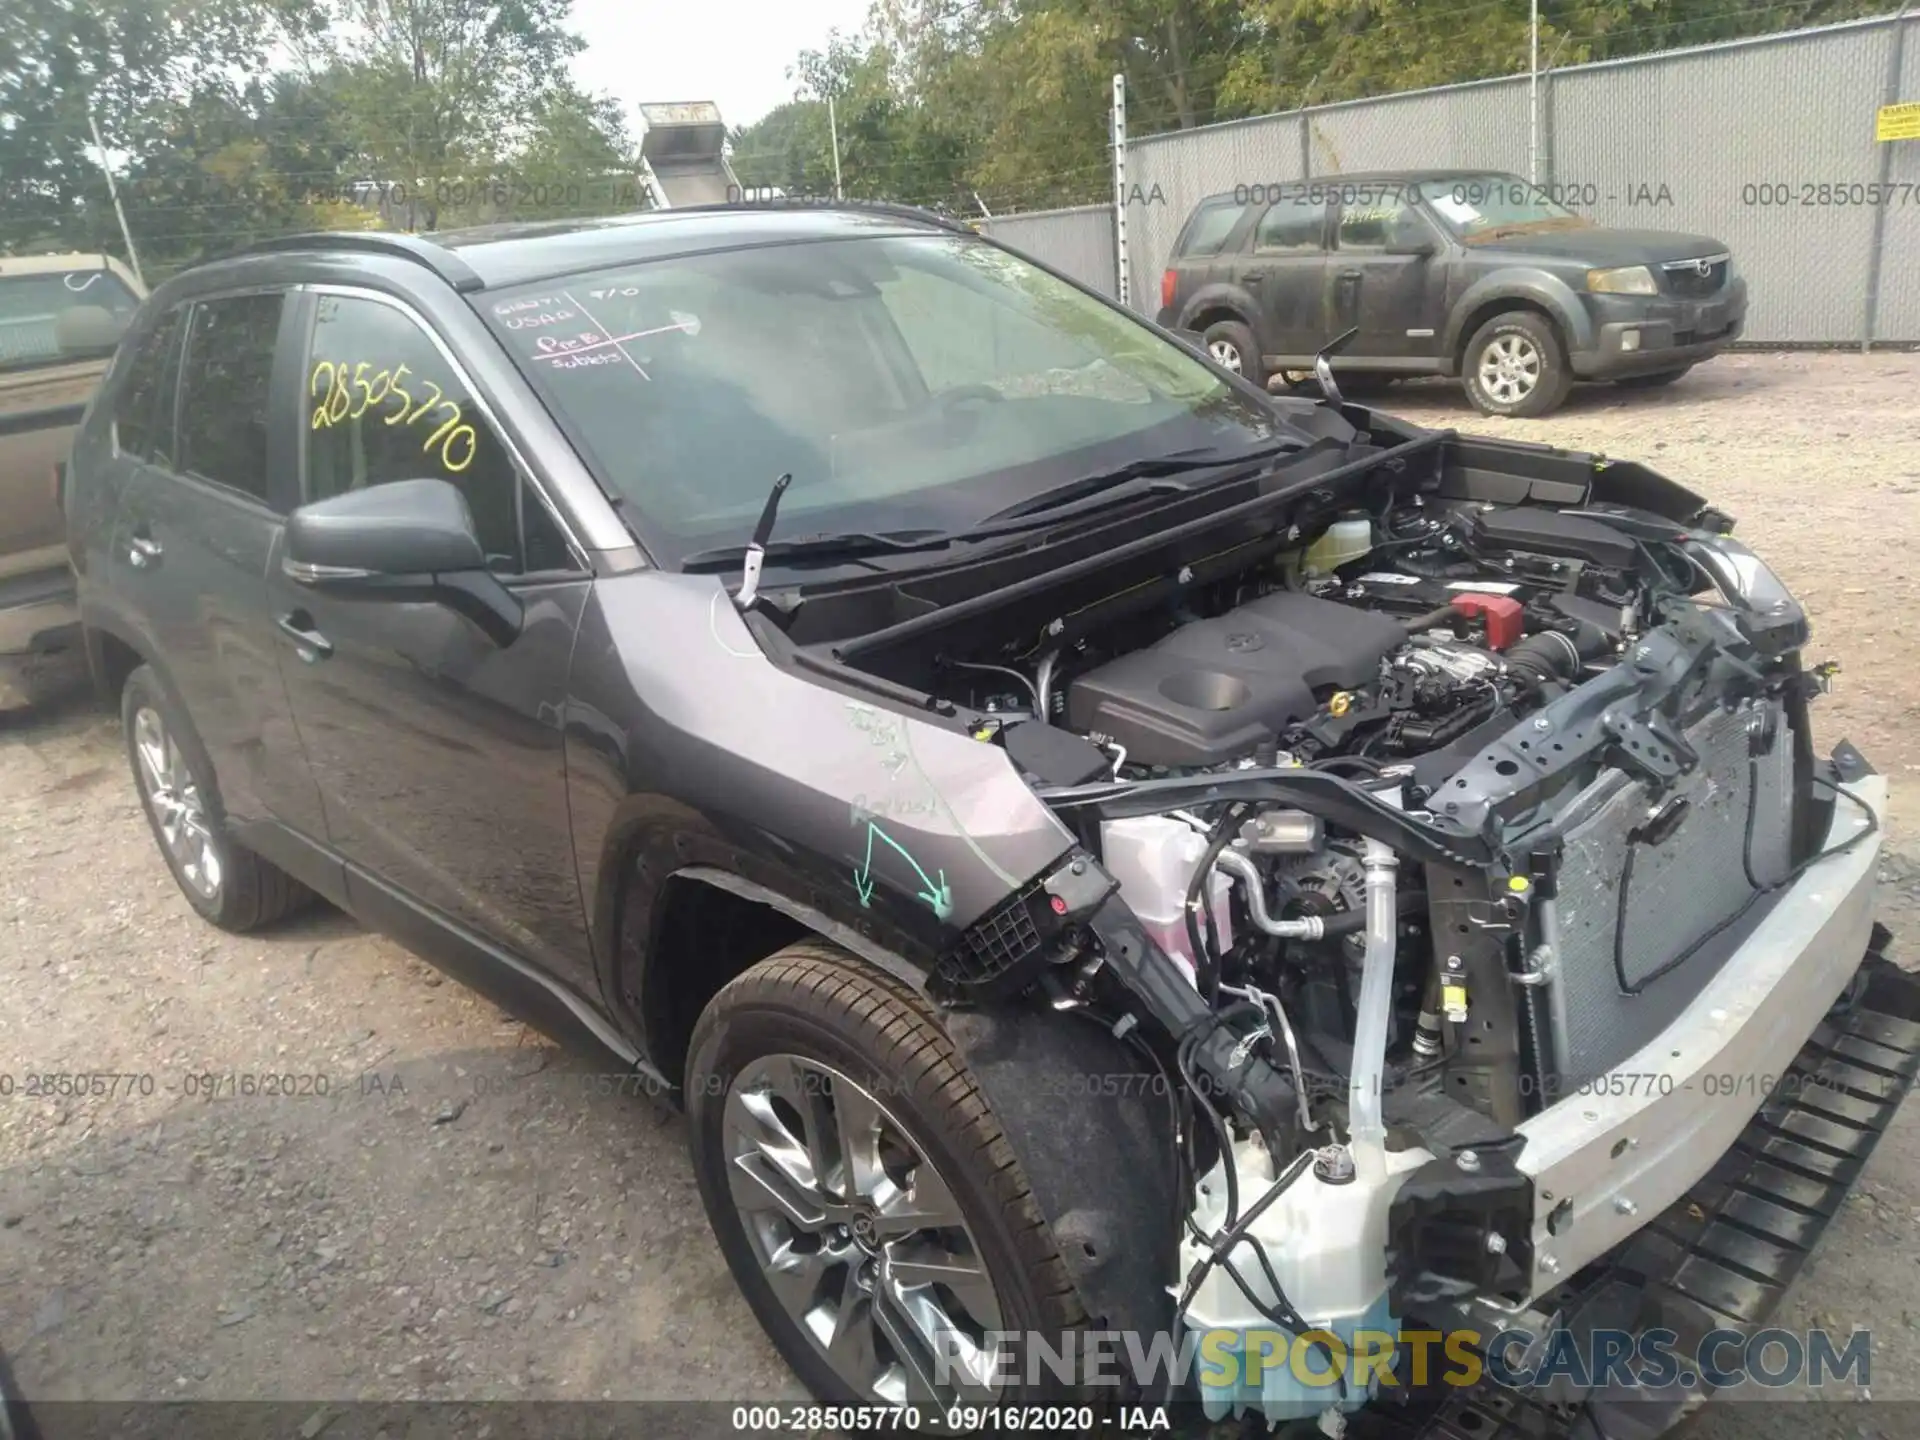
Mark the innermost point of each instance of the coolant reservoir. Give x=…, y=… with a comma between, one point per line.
x=1154, y=858
x=1346, y=540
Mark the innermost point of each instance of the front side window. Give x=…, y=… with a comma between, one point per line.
x=225, y=380
x=905, y=382
x=382, y=404
x=31, y=307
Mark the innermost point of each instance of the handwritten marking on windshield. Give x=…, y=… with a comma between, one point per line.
x=618, y=345
x=550, y=347
x=68, y=280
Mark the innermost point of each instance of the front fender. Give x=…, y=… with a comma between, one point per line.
x=1540, y=288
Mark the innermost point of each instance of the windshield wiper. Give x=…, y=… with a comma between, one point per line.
x=753, y=556
x=1180, y=462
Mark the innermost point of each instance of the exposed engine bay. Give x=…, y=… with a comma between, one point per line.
x=1441, y=806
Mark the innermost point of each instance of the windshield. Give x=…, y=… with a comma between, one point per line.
x=31, y=307
x=906, y=382
x=1484, y=207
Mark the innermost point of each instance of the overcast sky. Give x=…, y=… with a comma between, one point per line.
x=735, y=53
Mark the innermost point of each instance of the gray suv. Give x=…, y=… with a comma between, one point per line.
x=1448, y=272
x=1094, y=846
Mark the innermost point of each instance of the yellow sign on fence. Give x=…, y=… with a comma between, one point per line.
x=1898, y=122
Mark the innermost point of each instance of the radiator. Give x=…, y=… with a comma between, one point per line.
x=1638, y=924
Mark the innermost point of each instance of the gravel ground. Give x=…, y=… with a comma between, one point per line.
x=462, y=1216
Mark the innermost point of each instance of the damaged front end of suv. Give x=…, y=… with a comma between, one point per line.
x=1438, y=843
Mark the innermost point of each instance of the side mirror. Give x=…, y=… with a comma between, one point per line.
x=83, y=330
x=411, y=540
x=1418, y=246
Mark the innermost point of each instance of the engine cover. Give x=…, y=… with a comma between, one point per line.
x=1213, y=690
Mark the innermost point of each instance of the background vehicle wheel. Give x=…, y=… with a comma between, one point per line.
x=1233, y=347
x=1654, y=381
x=222, y=879
x=864, y=1196
x=1514, y=366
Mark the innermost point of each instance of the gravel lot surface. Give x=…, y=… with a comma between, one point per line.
x=462, y=1216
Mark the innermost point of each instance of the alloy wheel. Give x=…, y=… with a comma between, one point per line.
x=177, y=806
x=1226, y=354
x=1509, y=369
x=860, y=1239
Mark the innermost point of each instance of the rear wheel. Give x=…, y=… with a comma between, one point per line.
x=222, y=879
x=1653, y=381
x=1233, y=347
x=863, y=1194
x=1514, y=366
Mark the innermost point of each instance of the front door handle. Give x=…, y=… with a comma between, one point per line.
x=312, y=645
x=143, y=552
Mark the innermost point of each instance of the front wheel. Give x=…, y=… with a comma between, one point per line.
x=863, y=1194
x=1514, y=366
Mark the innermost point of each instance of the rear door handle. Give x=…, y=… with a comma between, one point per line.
x=143, y=552
x=312, y=645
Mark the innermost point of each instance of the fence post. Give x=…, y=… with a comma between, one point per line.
x=1122, y=277
x=1896, y=53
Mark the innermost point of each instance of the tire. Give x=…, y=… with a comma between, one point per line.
x=1652, y=382
x=1536, y=378
x=806, y=1022
x=1232, y=346
x=223, y=880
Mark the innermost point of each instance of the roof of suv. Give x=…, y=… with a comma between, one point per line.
x=491, y=256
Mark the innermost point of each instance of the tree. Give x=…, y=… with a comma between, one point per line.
x=117, y=62
x=437, y=94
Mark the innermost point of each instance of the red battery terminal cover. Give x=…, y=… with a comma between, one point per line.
x=1502, y=614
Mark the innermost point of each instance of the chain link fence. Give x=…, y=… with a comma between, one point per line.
x=1765, y=145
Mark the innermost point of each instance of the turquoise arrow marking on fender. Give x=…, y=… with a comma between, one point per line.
x=937, y=893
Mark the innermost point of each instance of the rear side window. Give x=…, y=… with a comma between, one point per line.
x=223, y=403
x=382, y=404
x=1295, y=223
x=31, y=307
x=1207, y=231
x=143, y=411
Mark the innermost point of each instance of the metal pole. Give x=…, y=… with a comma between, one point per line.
x=113, y=192
x=1121, y=264
x=833, y=132
x=1876, y=248
x=1533, y=98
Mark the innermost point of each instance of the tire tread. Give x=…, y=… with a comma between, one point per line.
x=835, y=986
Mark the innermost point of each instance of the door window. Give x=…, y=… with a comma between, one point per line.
x=223, y=405
x=1373, y=227
x=143, y=412
x=383, y=404
x=1294, y=224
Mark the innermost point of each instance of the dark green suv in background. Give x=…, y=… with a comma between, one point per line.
x=1448, y=272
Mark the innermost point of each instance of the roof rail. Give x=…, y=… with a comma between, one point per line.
x=878, y=207
x=437, y=258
